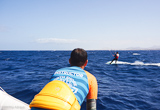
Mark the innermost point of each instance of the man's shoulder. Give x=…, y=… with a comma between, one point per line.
x=90, y=76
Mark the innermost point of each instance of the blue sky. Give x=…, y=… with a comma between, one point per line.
x=88, y=24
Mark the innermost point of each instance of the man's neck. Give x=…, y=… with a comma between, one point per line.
x=82, y=67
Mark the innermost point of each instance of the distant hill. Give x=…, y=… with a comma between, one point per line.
x=140, y=48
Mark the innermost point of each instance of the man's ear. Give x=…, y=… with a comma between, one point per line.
x=85, y=64
x=69, y=61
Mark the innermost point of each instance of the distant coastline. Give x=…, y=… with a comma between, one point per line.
x=103, y=49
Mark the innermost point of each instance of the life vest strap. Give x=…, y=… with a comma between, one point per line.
x=55, y=96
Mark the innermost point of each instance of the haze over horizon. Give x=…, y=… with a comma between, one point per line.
x=92, y=25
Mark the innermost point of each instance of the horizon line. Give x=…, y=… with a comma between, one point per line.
x=71, y=49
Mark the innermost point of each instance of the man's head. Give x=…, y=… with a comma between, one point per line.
x=78, y=57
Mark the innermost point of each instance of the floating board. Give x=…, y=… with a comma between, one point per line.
x=112, y=62
x=8, y=102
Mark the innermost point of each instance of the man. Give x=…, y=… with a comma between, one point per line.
x=80, y=82
x=116, y=56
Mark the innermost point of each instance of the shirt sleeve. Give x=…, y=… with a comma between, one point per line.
x=93, y=86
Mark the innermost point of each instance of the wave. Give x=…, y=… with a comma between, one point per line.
x=135, y=63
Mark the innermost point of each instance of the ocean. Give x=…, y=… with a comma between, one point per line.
x=131, y=84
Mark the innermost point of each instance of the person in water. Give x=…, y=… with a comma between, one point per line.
x=81, y=83
x=116, y=56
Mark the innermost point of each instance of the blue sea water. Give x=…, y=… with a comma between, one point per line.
x=131, y=84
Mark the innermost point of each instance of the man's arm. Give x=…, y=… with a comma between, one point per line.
x=91, y=104
x=93, y=92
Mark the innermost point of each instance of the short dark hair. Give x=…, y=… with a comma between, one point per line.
x=78, y=57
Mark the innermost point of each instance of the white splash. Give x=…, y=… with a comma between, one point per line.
x=136, y=54
x=135, y=63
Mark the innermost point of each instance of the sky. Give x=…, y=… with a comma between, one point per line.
x=87, y=24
